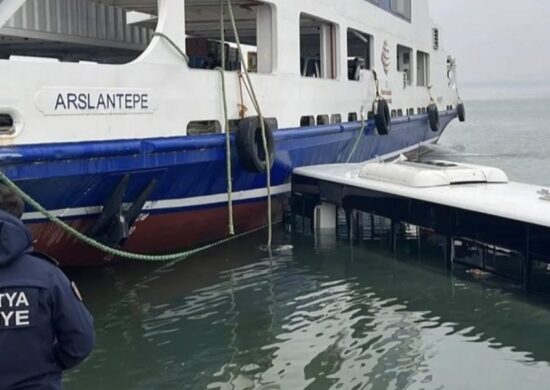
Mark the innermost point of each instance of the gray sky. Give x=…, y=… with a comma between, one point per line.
x=496, y=40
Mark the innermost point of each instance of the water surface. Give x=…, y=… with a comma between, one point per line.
x=327, y=313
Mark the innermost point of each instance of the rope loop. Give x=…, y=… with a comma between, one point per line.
x=173, y=44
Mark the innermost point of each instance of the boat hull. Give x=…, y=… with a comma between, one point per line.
x=188, y=206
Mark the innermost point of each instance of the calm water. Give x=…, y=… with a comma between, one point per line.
x=327, y=314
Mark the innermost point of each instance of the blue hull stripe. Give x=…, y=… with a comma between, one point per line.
x=69, y=176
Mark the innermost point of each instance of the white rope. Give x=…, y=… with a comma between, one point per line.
x=231, y=225
x=359, y=136
x=262, y=124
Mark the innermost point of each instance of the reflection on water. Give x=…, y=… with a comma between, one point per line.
x=325, y=314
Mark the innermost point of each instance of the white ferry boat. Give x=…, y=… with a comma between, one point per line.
x=112, y=112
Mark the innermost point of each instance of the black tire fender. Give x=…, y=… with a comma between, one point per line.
x=250, y=146
x=382, y=117
x=433, y=117
x=461, y=111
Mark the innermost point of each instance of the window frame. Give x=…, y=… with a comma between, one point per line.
x=336, y=54
x=370, y=43
x=427, y=68
x=387, y=6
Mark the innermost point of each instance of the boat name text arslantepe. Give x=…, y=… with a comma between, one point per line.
x=52, y=101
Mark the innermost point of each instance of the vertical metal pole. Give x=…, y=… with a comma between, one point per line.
x=303, y=214
x=350, y=224
x=449, y=251
x=293, y=212
x=372, y=228
x=359, y=224
x=484, y=255
x=527, y=259
x=449, y=241
x=337, y=230
x=419, y=243
x=393, y=234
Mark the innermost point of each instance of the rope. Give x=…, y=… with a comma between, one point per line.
x=104, y=248
x=262, y=124
x=376, y=84
x=242, y=108
x=231, y=225
x=173, y=44
x=246, y=87
x=430, y=94
x=359, y=134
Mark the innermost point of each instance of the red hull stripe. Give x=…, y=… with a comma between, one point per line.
x=154, y=234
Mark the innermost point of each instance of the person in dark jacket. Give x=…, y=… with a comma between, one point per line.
x=44, y=326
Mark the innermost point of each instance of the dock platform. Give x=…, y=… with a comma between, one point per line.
x=457, y=201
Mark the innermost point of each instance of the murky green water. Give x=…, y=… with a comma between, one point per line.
x=327, y=313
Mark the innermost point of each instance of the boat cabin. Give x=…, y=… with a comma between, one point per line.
x=315, y=62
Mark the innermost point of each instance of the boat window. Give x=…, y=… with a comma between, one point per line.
x=404, y=63
x=317, y=48
x=82, y=30
x=352, y=117
x=359, y=53
x=204, y=127
x=307, y=121
x=322, y=120
x=6, y=124
x=336, y=119
x=422, y=69
x=401, y=8
x=254, y=21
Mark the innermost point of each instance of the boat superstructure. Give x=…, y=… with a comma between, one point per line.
x=122, y=101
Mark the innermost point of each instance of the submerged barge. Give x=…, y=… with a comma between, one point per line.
x=469, y=205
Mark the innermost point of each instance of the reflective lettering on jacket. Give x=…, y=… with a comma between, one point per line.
x=18, y=308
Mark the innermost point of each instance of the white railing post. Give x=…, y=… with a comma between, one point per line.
x=171, y=24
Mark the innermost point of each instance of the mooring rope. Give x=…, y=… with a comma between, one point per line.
x=107, y=249
x=256, y=103
x=173, y=44
x=242, y=108
x=231, y=225
x=359, y=135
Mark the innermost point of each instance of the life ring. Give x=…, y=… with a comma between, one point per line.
x=461, y=112
x=382, y=117
x=433, y=117
x=250, y=147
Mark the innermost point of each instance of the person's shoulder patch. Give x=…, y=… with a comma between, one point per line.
x=76, y=291
x=45, y=257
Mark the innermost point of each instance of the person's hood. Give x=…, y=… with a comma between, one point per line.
x=15, y=239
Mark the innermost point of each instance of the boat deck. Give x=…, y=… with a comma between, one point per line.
x=514, y=201
x=477, y=206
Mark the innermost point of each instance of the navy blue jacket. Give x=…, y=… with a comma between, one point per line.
x=44, y=327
